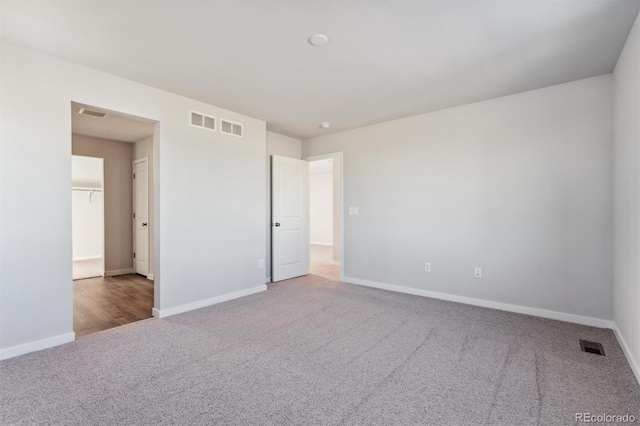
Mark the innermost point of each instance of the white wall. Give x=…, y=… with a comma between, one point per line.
x=86, y=172
x=283, y=146
x=209, y=196
x=626, y=139
x=142, y=149
x=520, y=186
x=118, y=195
x=87, y=208
x=321, y=202
x=87, y=229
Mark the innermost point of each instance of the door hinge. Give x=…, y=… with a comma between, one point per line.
x=134, y=254
x=134, y=215
x=134, y=175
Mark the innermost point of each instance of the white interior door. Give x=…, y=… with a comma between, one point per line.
x=289, y=218
x=141, y=216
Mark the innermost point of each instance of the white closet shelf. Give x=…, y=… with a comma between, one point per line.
x=84, y=188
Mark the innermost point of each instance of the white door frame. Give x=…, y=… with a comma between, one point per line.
x=104, y=224
x=150, y=226
x=157, y=183
x=339, y=155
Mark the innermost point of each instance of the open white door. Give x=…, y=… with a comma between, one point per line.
x=141, y=216
x=289, y=218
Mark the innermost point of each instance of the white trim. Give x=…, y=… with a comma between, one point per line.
x=133, y=216
x=627, y=352
x=560, y=316
x=207, y=302
x=150, y=277
x=339, y=155
x=321, y=244
x=268, y=280
x=115, y=272
x=38, y=345
x=87, y=258
x=104, y=223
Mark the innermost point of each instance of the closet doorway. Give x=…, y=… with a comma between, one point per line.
x=87, y=212
x=113, y=219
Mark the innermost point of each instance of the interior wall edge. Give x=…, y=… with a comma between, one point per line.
x=167, y=312
x=518, y=309
x=38, y=345
x=627, y=352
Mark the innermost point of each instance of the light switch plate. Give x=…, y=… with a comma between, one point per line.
x=353, y=210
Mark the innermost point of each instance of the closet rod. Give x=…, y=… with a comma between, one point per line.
x=79, y=188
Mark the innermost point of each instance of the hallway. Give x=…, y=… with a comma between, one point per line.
x=106, y=302
x=322, y=263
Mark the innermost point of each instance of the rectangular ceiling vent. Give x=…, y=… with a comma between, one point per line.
x=230, y=128
x=202, y=120
x=591, y=347
x=90, y=113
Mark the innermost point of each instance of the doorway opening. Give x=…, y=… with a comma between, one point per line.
x=324, y=218
x=306, y=217
x=87, y=212
x=112, y=215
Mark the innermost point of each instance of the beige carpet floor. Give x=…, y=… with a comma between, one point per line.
x=314, y=351
x=88, y=268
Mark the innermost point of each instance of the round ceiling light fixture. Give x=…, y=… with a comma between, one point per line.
x=325, y=125
x=318, y=39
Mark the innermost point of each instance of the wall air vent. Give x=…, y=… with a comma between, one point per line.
x=90, y=113
x=202, y=120
x=230, y=128
x=591, y=347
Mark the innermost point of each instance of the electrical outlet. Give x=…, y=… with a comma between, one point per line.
x=261, y=263
x=427, y=267
x=353, y=210
x=478, y=273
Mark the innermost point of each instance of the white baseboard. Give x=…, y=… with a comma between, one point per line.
x=87, y=258
x=151, y=277
x=268, y=280
x=321, y=244
x=560, y=316
x=207, y=302
x=116, y=272
x=38, y=345
x=627, y=352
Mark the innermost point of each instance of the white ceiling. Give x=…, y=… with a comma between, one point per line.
x=115, y=126
x=385, y=59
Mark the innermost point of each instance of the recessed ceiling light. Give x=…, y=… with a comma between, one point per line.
x=325, y=125
x=318, y=39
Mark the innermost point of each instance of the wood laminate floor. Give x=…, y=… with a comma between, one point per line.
x=106, y=302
